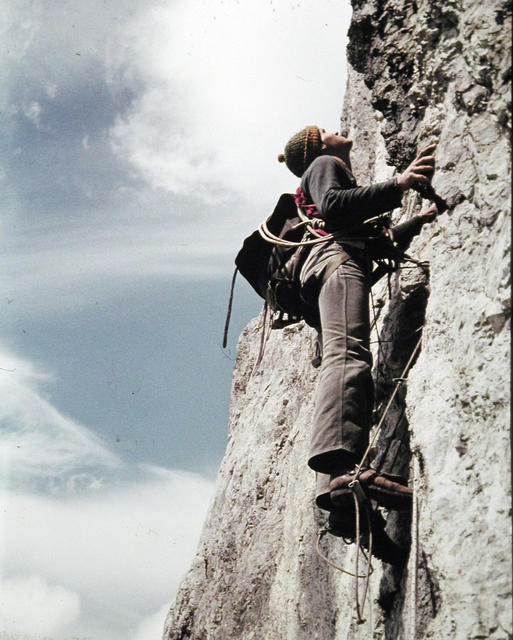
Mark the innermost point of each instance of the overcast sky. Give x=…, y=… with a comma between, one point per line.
x=138, y=149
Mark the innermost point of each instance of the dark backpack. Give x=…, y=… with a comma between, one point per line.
x=273, y=270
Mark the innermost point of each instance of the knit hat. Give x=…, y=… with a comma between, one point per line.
x=301, y=150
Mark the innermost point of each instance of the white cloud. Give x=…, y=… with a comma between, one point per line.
x=29, y=605
x=127, y=545
x=151, y=628
x=20, y=24
x=217, y=89
x=119, y=535
x=60, y=278
x=32, y=112
x=52, y=33
x=51, y=90
x=38, y=442
x=221, y=87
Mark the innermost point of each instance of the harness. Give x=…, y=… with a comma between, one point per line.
x=271, y=259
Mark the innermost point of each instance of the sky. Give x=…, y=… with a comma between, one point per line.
x=138, y=149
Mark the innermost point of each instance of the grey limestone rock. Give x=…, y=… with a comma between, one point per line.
x=420, y=71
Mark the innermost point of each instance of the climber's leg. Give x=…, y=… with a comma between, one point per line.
x=345, y=392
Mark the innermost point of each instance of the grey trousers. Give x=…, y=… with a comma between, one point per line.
x=344, y=395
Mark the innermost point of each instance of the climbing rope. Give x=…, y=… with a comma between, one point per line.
x=360, y=499
x=320, y=535
x=414, y=554
x=381, y=360
x=313, y=226
x=358, y=496
x=229, y=310
x=414, y=573
x=399, y=382
x=267, y=325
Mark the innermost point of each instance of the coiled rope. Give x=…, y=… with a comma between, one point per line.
x=313, y=225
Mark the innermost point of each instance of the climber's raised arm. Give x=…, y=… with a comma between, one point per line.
x=341, y=203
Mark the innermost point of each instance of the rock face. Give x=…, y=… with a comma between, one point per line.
x=420, y=71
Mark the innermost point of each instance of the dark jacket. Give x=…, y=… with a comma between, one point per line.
x=344, y=206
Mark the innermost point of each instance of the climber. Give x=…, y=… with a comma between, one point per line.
x=335, y=281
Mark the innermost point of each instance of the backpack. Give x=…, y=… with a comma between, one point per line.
x=271, y=259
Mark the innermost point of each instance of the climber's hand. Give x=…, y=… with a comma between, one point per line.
x=420, y=170
x=429, y=214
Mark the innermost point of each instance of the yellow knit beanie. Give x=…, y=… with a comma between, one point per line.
x=301, y=150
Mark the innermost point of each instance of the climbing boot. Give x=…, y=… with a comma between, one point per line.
x=343, y=525
x=389, y=490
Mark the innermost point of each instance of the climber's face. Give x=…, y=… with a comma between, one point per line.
x=335, y=145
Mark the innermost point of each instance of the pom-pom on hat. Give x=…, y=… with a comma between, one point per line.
x=301, y=150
